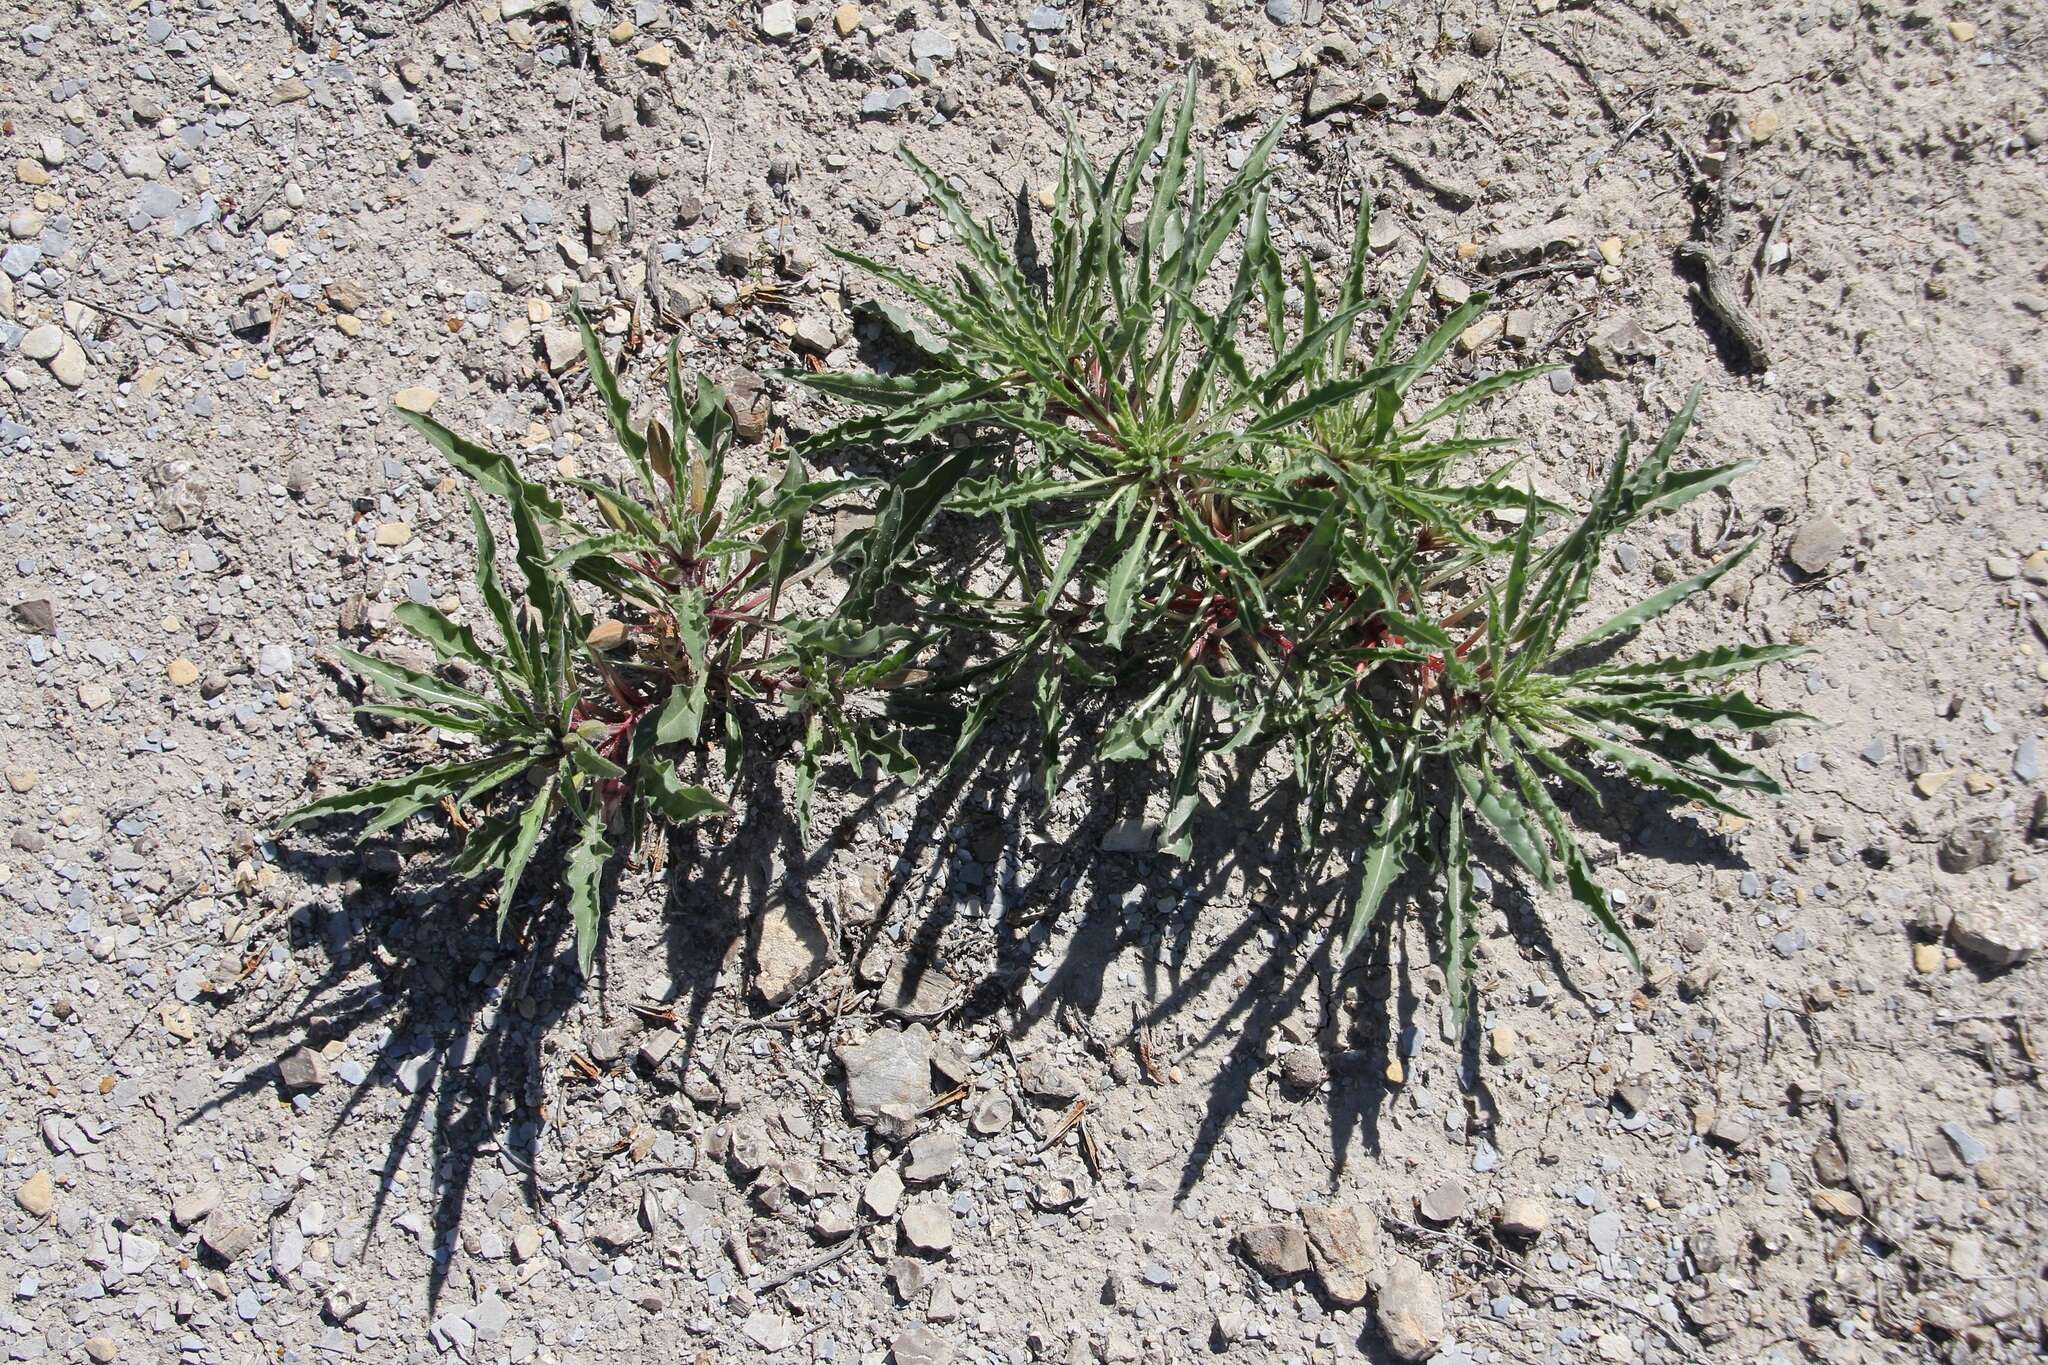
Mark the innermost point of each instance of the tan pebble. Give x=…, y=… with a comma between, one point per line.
x=623, y=32
x=37, y=1195
x=93, y=696
x=655, y=56
x=1926, y=958
x=1506, y=1046
x=539, y=310
x=392, y=534
x=348, y=326
x=1962, y=30
x=1395, y=1074
x=607, y=635
x=1610, y=250
x=1765, y=126
x=1480, y=333
x=30, y=172
x=278, y=245
x=417, y=398
x=1976, y=784
x=181, y=672
x=21, y=781
x=1928, y=784
x=845, y=19
x=1467, y=250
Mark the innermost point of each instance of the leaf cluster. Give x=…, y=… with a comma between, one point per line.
x=1227, y=504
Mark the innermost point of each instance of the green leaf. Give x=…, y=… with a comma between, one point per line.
x=1717, y=662
x=1458, y=928
x=1121, y=591
x=677, y=801
x=682, y=715
x=410, y=682
x=589, y=760
x=586, y=884
x=808, y=759
x=1657, y=603
x=1386, y=857
x=1578, y=873
x=531, y=821
x=492, y=472
x=496, y=600
x=413, y=792
x=1504, y=814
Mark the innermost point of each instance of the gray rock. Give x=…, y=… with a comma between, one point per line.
x=1616, y=350
x=882, y=1196
x=992, y=1114
x=932, y=1157
x=189, y=1210
x=227, y=1238
x=1603, y=1230
x=2026, y=760
x=932, y=44
x=1277, y=1251
x=913, y=989
x=888, y=1079
x=301, y=1069
x=1969, y=1149
x=1976, y=842
x=778, y=20
x=790, y=947
x=42, y=342
x=815, y=336
x=1994, y=935
x=1523, y=1217
x=1344, y=1247
x=1818, y=544
x=920, y=1346
x=1410, y=1311
x=928, y=1228
x=1445, y=1201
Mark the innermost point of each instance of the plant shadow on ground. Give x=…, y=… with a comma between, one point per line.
x=467, y=1021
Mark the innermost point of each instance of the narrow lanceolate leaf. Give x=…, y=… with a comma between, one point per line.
x=1385, y=859
x=491, y=471
x=532, y=821
x=808, y=759
x=1459, y=935
x=585, y=877
x=1504, y=815
x=1578, y=872
x=495, y=597
x=1121, y=591
x=1657, y=603
x=418, y=789
x=1717, y=662
x=411, y=682
x=1176, y=837
x=617, y=410
x=450, y=641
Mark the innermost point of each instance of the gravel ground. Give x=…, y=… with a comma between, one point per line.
x=294, y=1102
